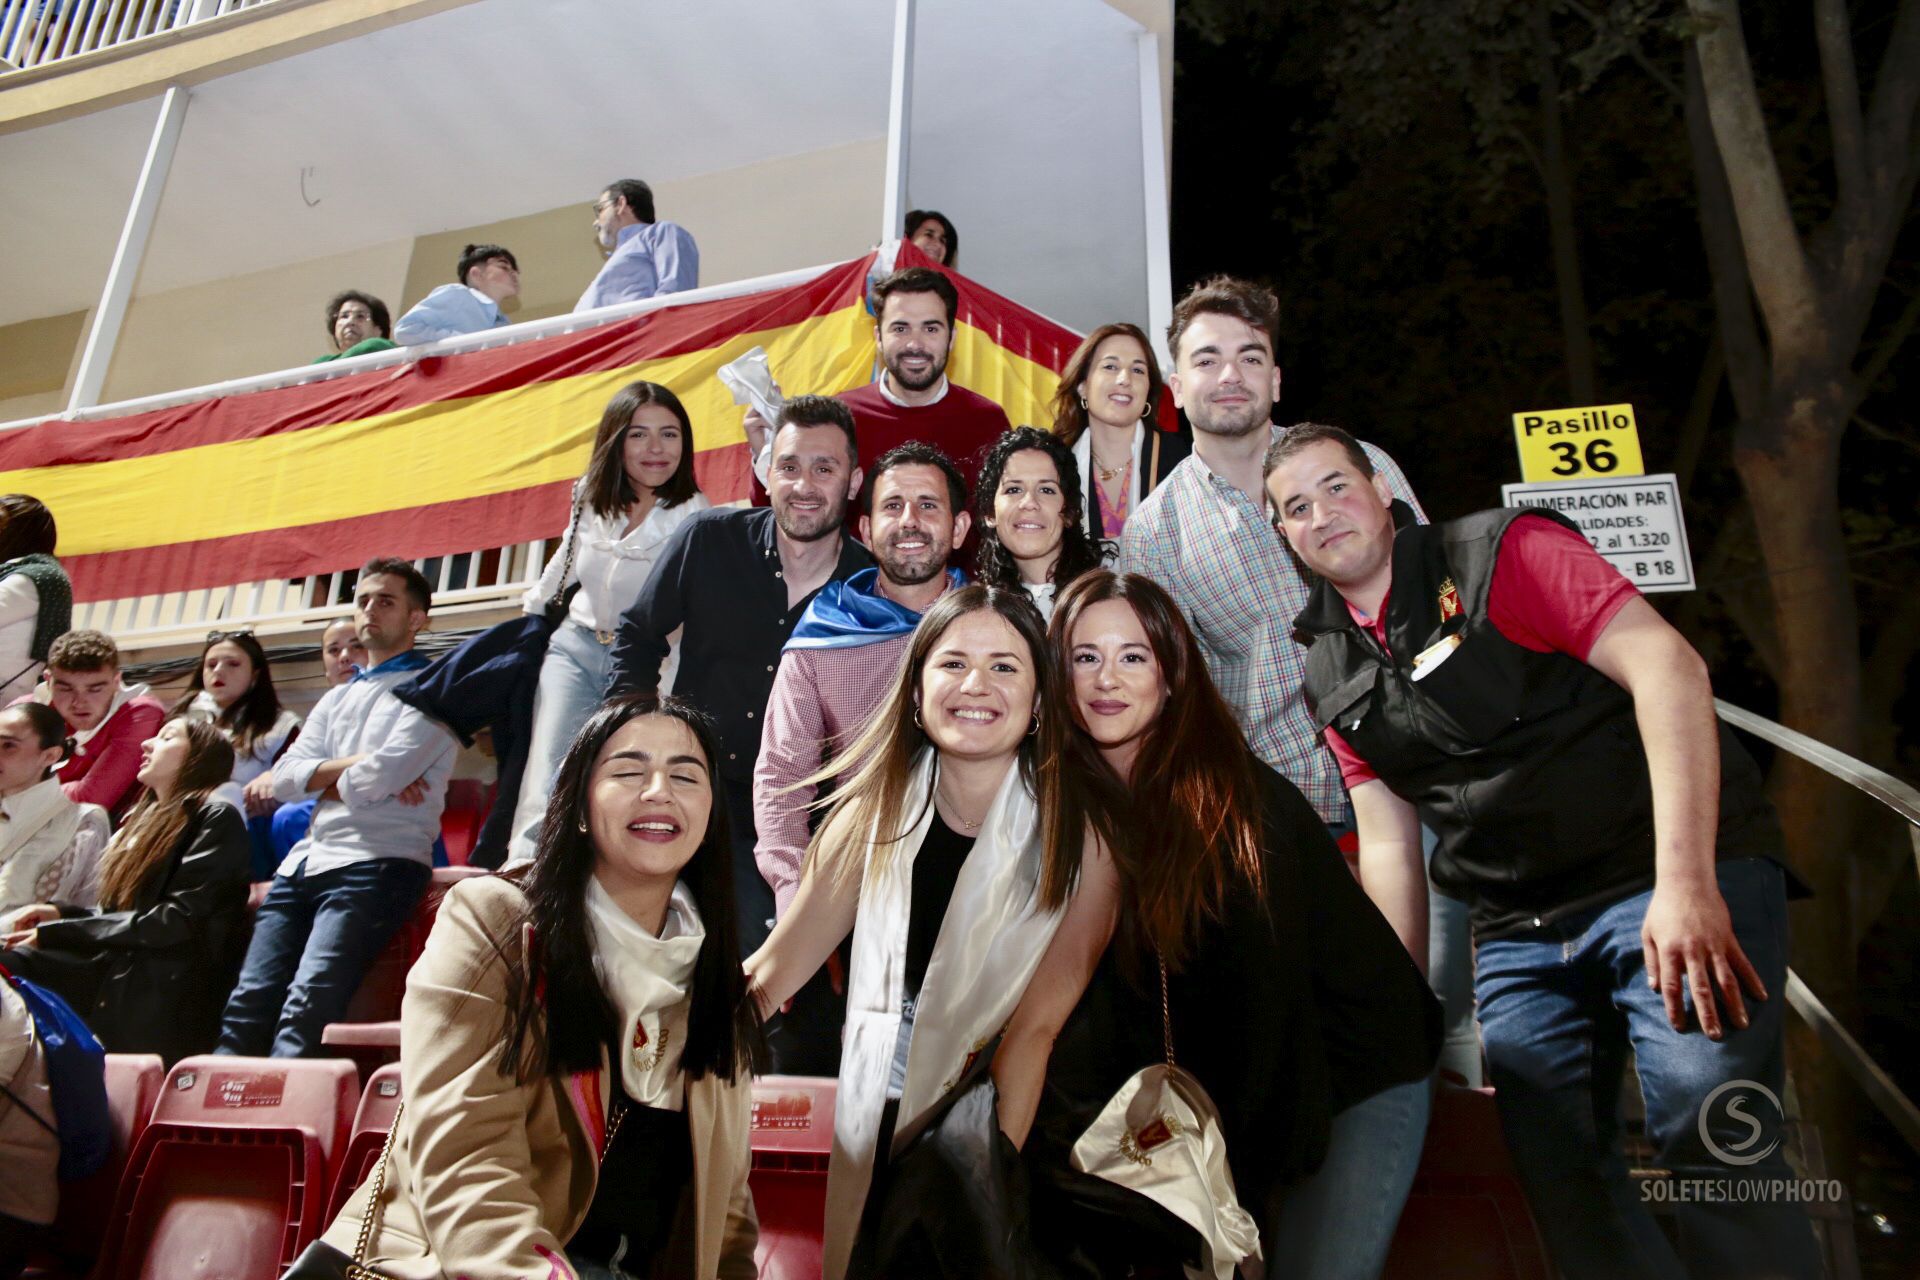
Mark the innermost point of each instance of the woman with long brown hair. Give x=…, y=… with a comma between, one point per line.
x=150, y=967
x=232, y=689
x=638, y=490
x=1103, y=409
x=1286, y=993
x=935, y=854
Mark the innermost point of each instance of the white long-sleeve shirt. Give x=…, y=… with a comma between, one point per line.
x=401, y=746
x=610, y=566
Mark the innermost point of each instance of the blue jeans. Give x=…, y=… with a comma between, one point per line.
x=1338, y=1224
x=1559, y=1009
x=573, y=681
x=313, y=939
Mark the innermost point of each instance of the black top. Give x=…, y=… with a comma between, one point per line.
x=155, y=978
x=644, y=1175
x=720, y=578
x=1287, y=1012
x=936, y=869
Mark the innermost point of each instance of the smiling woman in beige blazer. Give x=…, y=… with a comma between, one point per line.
x=574, y=1042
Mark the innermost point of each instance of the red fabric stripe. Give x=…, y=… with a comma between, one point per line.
x=652, y=336
x=498, y=520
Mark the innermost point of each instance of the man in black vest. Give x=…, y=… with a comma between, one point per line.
x=1495, y=676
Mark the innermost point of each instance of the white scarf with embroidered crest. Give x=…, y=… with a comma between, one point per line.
x=649, y=979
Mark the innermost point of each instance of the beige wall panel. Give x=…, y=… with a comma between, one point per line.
x=36, y=363
x=244, y=325
x=796, y=211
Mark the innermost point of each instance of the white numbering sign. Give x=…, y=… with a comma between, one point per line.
x=1636, y=523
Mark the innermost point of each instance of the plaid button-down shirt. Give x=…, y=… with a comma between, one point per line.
x=1215, y=550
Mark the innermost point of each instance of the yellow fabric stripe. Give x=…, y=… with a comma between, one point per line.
x=530, y=435
x=474, y=447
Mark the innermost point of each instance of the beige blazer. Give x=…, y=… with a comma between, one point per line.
x=490, y=1178
x=29, y=1154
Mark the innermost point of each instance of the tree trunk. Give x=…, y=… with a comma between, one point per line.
x=1789, y=466
x=1563, y=233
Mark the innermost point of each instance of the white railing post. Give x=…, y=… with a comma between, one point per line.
x=1153, y=172
x=899, y=122
x=104, y=332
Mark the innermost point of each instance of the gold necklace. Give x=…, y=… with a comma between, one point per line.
x=954, y=809
x=1107, y=473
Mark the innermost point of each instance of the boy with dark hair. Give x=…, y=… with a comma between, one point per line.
x=489, y=276
x=379, y=769
x=108, y=720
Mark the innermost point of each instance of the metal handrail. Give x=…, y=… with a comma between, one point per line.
x=1904, y=799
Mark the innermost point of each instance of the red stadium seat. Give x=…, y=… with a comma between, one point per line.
x=468, y=803
x=1466, y=1217
x=133, y=1085
x=230, y=1179
x=792, y=1139
x=370, y=1124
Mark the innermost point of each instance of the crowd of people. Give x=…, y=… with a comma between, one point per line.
x=998, y=771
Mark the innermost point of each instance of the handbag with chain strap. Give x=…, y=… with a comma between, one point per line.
x=1160, y=1136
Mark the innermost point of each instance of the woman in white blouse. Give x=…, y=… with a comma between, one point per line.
x=637, y=492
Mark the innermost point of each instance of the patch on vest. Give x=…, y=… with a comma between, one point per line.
x=1449, y=600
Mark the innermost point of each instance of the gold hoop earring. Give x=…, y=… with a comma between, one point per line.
x=916, y=717
x=1036, y=725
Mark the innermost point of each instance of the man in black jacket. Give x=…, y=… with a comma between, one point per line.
x=1499, y=679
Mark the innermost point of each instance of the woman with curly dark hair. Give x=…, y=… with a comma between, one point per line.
x=1033, y=517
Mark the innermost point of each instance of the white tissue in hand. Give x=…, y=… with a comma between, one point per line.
x=751, y=382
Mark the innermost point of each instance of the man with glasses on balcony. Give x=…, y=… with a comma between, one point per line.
x=357, y=324
x=645, y=257
x=489, y=276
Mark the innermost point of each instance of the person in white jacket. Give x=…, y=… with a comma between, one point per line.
x=637, y=491
x=38, y=823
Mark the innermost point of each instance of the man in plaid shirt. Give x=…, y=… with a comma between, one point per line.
x=1206, y=536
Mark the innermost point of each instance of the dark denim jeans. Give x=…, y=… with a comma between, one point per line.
x=1559, y=1009
x=313, y=939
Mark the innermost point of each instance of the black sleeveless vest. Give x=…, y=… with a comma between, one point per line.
x=1528, y=765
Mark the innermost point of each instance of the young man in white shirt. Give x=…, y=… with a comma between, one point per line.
x=379, y=769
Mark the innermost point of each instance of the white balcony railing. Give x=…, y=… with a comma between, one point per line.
x=36, y=32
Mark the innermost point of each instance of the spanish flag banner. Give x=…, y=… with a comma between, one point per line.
x=460, y=452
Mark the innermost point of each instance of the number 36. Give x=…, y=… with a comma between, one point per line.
x=1598, y=456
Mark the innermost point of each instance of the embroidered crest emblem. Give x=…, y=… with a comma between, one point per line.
x=641, y=1057
x=1449, y=600
x=1158, y=1132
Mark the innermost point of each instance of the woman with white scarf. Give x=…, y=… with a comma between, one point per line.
x=935, y=854
x=574, y=1041
x=637, y=491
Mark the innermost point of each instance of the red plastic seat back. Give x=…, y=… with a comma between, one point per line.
x=378, y=997
x=370, y=1124
x=1466, y=1217
x=306, y=1095
x=792, y=1140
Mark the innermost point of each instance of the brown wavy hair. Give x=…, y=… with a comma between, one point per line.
x=1188, y=821
x=146, y=840
x=1069, y=412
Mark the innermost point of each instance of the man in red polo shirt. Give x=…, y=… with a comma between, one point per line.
x=913, y=399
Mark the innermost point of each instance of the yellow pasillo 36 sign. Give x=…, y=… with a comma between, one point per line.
x=1600, y=442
